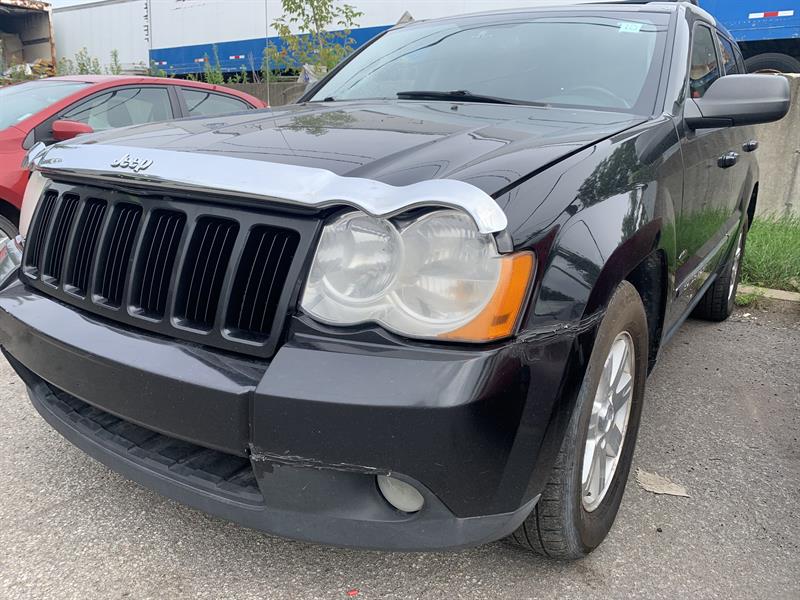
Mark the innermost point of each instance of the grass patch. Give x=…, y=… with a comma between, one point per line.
x=749, y=300
x=772, y=257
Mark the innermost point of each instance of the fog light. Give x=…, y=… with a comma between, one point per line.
x=400, y=494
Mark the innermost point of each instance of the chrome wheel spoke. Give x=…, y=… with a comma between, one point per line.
x=737, y=258
x=588, y=465
x=618, y=353
x=605, y=383
x=600, y=458
x=623, y=392
x=613, y=441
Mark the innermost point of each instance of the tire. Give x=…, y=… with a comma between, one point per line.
x=561, y=525
x=772, y=61
x=719, y=300
x=8, y=228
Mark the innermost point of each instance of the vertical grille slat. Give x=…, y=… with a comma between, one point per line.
x=39, y=231
x=84, y=247
x=271, y=288
x=205, y=250
x=216, y=273
x=166, y=267
x=263, y=268
x=157, y=256
x=117, y=252
x=86, y=239
x=206, y=271
x=62, y=223
x=208, y=257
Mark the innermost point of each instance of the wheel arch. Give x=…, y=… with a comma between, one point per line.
x=642, y=262
x=751, y=207
x=586, y=281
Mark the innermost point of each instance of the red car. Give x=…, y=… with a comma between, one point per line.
x=57, y=109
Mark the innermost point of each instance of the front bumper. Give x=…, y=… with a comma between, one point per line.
x=292, y=447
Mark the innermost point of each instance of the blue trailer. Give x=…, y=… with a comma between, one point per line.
x=768, y=31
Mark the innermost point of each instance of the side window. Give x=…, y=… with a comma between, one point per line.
x=704, y=70
x=739, y=59
x=728, y=55
x=123, y=107
x=208, y=104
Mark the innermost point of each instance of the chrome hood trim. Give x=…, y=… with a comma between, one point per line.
x=280, y=183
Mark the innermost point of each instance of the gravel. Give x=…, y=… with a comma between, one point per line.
x=722, y=420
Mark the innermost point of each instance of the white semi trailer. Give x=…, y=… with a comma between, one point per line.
x=178, y=34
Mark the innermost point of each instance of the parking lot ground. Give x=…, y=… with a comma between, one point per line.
x=722, y=418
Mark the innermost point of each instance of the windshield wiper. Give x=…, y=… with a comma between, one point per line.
x=463, y=96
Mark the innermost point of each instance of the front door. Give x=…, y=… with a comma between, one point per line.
x=715, y=173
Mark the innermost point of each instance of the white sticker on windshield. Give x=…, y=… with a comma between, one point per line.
x=630, y=27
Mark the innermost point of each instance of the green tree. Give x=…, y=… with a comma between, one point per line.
x=322, y=40
x=115, y=68
x=155, y=71
x=85, y=64
x=213, y=73
x=65, y=66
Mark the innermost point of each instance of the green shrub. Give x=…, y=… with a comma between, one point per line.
x=772, y=257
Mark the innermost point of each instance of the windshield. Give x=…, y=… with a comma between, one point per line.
x=18, y=102
x=607, y=62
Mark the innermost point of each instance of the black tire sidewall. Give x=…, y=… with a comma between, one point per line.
x=7, y=227
x=773, y=61
x=625, y=313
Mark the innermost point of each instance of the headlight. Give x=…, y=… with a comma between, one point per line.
x=30, y=200
x=435, y=277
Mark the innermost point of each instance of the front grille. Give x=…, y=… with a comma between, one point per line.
x=203, y=271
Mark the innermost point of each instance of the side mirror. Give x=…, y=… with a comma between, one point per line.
x=66, y=130
x=736, y=100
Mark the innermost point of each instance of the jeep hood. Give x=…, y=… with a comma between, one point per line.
x=395, y=142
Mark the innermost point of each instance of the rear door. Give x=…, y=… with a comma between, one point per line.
x=715, y=173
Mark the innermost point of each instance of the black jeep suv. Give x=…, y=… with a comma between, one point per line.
x=415, y=310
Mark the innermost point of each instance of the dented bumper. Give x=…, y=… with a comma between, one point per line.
x=293, y=447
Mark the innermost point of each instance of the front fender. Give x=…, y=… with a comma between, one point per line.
x=618, y=207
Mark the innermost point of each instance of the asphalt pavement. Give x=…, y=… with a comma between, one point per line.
x=722, y=419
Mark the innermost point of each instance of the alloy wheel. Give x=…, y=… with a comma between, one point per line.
x=608, y=422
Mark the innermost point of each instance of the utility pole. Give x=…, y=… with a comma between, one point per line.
x=265, y=56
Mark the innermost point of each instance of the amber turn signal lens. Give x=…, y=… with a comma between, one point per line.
x=499, y=318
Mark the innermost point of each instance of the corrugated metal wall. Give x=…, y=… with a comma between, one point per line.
x=103, y=27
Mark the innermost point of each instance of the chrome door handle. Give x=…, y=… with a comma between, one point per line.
x=726, y=161
x=750, y=146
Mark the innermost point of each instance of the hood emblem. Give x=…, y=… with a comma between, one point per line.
x=134, y=164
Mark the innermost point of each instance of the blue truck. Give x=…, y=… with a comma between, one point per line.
x=768, y=31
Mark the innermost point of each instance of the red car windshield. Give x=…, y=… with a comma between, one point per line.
x=18, y=102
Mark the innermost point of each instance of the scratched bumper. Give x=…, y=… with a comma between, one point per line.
x=293, y=447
